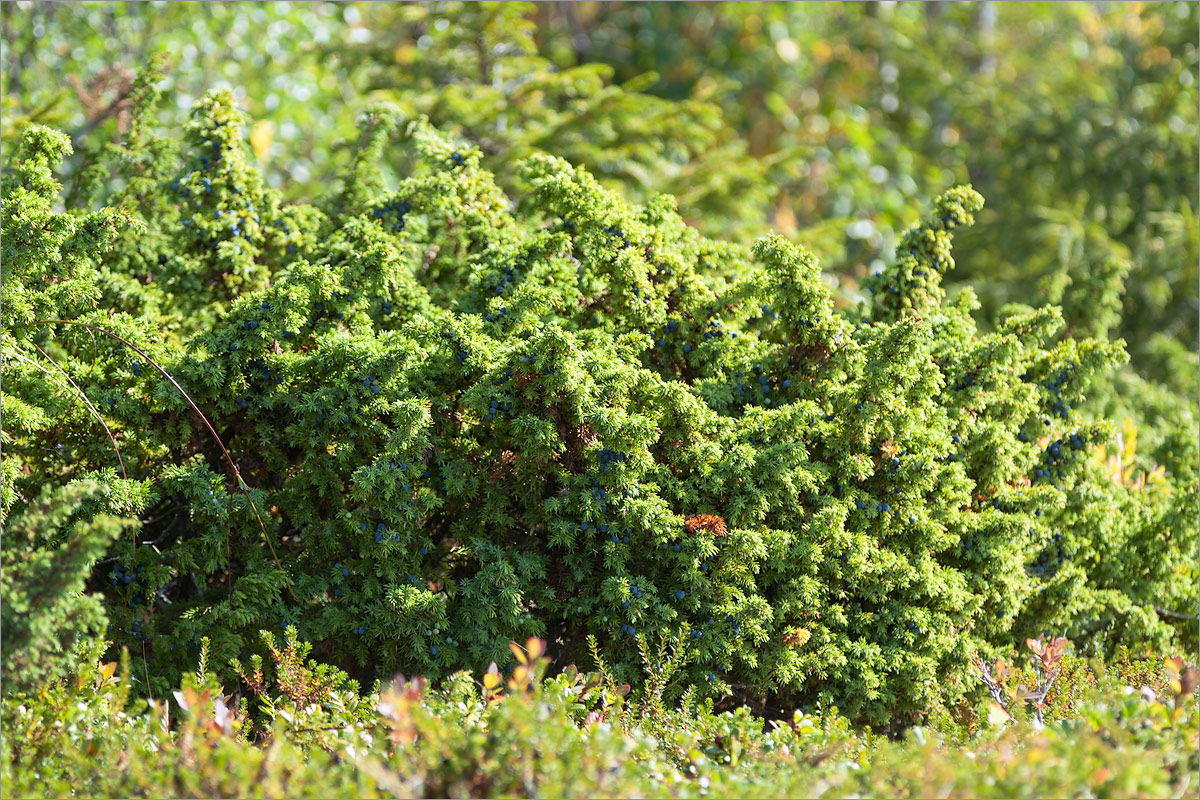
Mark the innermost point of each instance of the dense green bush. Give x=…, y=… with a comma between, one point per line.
x=420, y=420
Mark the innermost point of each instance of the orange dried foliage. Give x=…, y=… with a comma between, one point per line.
x=797, y=637
x=705, y=522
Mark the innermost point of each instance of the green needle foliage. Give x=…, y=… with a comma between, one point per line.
x=47, y=620
x=468, y=418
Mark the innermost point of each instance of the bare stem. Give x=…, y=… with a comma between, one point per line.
x=91, y=407
x=237, y=473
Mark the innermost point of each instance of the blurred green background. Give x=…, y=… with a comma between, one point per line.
x=834, y=123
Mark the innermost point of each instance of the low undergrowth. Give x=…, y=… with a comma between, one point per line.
x=296, y=728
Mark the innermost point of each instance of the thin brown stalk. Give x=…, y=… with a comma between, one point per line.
x=95, y=413
x=237, y=473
